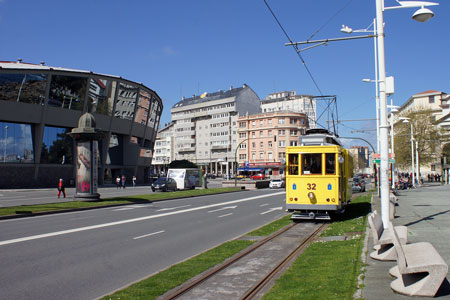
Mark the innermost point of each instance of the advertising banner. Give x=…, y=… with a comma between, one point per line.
x=83, y=167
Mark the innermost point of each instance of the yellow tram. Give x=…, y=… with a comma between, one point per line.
x=319, y=176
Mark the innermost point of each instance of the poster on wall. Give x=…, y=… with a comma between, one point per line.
x=83, y=167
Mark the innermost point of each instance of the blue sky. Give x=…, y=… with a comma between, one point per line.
x=180, y=48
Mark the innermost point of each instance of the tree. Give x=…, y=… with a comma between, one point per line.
x=182, y=164
x=426, y=134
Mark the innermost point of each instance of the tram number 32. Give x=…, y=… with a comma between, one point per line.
x=311, y=186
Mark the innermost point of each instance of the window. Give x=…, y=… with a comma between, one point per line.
x=281, y=132
x=281, y=121
x=261, y=145
x=17, y=143
x=269, y=144
x=253, y=155
x=292, y=121
x=68, y=92
x=253, y=134
x=26, y=88
x=312, y=163
x=261, y=123
x=242, y=125
x=270, y=155
x=243, y=146
x=261, y=155
x=269, y=132
x=242, y=135
x=293, y=164
x=293, y=143
x=293, y=132
x=330, y=163
x=254, y=123
x=431, y=99
x=242, y=156
x=101, y=97
x=57, y=146
x=253, y=145
x=281, y=155
x=261, y=133
x=269, y=121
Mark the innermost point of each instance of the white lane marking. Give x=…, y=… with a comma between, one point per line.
x=129, y=207
x=264, y=205
x=225, y=215
x=146, y=235
x=50, y=234
x=172, y=208
x=272, y=209
x=223, y=208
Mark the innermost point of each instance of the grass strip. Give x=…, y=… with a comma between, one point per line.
x=328, y=270
x=170, y=278
x=148, y=198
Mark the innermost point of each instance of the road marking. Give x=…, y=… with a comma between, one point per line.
x=130, y=207
x=146, y=235
x=225, y=215
x=271, y=210
x=51, y=234
x=223, y=208
x=264, y=205
x=172, y=208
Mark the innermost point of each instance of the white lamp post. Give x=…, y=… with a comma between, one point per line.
x=407, y=120
x=394, y=109
x=4, y=143
x=421, y=15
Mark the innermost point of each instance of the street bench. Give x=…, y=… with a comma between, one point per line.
x=420, y=270
x=382, y=239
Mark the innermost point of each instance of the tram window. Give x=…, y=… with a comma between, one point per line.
x=312, y=163
x=330, y=163
x=293, y=164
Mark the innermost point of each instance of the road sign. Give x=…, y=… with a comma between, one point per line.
x=377, y=161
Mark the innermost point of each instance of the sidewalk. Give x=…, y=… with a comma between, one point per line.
x=426, y=213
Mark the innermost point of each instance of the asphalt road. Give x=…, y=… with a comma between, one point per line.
x=41, y=196
x=84, y=255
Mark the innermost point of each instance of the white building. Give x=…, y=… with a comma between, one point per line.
x=289, y=101
x=164, y=151
x=205, y=127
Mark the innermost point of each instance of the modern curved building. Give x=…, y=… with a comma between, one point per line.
x=39, y=105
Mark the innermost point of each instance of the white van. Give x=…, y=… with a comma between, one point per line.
x=185, y=178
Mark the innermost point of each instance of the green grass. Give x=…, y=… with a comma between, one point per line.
x=328, y=270
x=272, y=227
x=168, y=279
x=148, y=198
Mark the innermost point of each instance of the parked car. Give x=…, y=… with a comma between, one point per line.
x=276, y=184
x=164, y=184
x=359, y=185
x=257, y=176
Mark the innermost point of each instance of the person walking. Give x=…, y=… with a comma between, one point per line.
x=124, y=179
x=118, y=182
x=61, y=188
x=134, y=180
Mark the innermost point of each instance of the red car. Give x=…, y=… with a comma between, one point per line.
x=257, y=176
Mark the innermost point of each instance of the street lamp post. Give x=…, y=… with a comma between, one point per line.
x=394, y=109
x=408, y=120
x=421, y=15
x=4, y=143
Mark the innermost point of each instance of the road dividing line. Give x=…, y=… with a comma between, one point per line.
x=225, y=215
x=271, y=210
x=50, y=234
x=223, y=208
x=146, y=235
x=172, y=208
x=264, y=205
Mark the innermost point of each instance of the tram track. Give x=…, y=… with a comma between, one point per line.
x=253, y=291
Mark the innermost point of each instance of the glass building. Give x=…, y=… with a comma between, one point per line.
x=39, y=105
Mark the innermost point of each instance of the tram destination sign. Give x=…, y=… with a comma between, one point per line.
x=377, y=161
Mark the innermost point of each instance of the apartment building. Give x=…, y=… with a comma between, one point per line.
x=290, y=101
x=263, y=139
x=205, y=127
x=164, y=150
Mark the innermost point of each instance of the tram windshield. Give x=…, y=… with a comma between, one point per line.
x=312, y=163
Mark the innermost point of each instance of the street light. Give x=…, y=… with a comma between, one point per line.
x=407, y=120
x=394, y=109
x=4, y=143
x=420, y=16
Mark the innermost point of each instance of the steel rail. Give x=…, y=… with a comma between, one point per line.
x=256, y=288
x=217, y=269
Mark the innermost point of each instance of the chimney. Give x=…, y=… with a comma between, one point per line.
x=42, y=63
x=19, y=60
x=231, y=87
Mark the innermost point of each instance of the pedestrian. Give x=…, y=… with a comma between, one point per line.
x=124, y=179
x=118, y=182
x=61, y=188
x=134, y=180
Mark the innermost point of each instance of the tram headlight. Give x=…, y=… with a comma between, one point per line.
x=311, y=195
